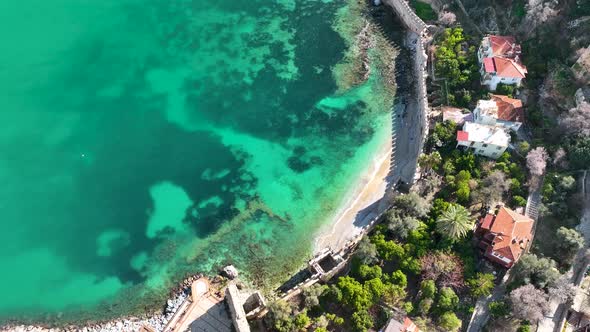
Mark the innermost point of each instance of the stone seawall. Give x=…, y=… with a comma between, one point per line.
x=415, y=25
x=407, y=15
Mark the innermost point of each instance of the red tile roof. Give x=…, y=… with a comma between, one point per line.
x=462, y=136
x=509, y=109
x=513, y=233
x=488, y=64
x=486, y=222
x=508, y=68
x=504, y=45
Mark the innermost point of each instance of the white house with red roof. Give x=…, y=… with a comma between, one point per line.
x=485, y=140
x=504, y=236
x=499, y=110
x=499, y=59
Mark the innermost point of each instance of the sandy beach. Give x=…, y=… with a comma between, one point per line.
x=360, y=206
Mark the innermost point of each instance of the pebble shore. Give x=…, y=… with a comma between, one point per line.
x=157, y=321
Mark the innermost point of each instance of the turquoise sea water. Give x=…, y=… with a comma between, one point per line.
x=142, y=140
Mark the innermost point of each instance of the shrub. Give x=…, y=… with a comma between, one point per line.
x=449, y=322
x=481, y=285
x=361, y=321
x=424, y=306
x=499, y=309
x=366, y=272
x=428, y=289
x=519, y=201
x=399, y=278
x=447, y=299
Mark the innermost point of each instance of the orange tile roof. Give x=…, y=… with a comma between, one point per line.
x=509, y=109
x=504, y=45
x=509, y=67
x=513, y=232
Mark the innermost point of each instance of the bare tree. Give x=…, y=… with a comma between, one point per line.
x=559, y=158
x=536, y=161
x=447, y=18
x=492, y=188
x=577, y=120
x=562, y=290
x=445, y=269
x=529, y=303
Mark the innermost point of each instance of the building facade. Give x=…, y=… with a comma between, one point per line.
x=503, y=236
x=485, y=140
x=499, y=111
x=499, y=59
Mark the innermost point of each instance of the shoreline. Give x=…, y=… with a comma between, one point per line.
x=360, y=205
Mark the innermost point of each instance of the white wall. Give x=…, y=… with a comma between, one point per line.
x=489, y=150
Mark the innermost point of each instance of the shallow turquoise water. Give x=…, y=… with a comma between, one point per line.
x=142, y=140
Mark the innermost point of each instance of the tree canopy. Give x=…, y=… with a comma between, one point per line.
x=454, y=223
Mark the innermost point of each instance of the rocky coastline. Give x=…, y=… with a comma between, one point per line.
x=156, y=320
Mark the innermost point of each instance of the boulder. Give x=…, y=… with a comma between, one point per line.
x=230, y=271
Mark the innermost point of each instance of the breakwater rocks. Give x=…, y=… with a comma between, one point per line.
x=157, y=321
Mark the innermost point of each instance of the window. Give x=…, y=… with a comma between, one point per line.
x=485, y=145
x=494, y=154
x=498, y=148
x=471, y=143
x=480, y=151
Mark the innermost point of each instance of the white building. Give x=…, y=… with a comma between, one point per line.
x=499, y=59
x=500, y=110
x=488, y=141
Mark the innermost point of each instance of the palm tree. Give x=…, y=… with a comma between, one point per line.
x=454, y=223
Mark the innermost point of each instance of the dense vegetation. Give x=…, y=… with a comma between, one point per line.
x=456, y=62
x=420, y=260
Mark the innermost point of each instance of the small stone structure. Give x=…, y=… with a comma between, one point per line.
x=326, y=264
x=253, y=305
x=236, y=309
x=243, y=306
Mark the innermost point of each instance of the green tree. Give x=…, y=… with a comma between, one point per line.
x=424, y=306
x=333, y=294
x=375, y=288
x=387, y=250
x=301, y=321
x=568, y=243
x=366, y=251
x=365, y=272
x=399, y=224
x=279, y=316
x=354, y=295
x=481, y=285
x=578, y=149
x=361, y=321
x=394, y=295
x=499, y=309
x=430, y=161
x=443, y=134
x=312, y=294
x=412, y=204
x=398, y=278
x=454, y=223
x=447, y=299
x=449, y=322
x=523, y=147
x=539, y=271
x=428, y=289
